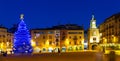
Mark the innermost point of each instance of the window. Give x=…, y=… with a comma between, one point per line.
x=3, y=41
x=75, y=32
x=50, y=37
x=80, y=37
x=57, y=36
x=75, y=38
x=63, y=38
x=43, y=37
x=50, y=42
x=57, y=40
x=69, y=37
x=50, y=32
x=94, y=39
x=35, y=32
x=75, y=42
x=80, y=42
x=9, y=40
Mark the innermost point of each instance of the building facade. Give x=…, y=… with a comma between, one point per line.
x=93, y=35
x=9, y=42
x=110, y=32
x=45, y=40
x=5, y=39
x=69, y=37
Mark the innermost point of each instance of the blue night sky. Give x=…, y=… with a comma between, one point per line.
x=47, y=13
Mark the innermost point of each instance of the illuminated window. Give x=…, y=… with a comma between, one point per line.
x=69, y=42
x=41, y=32
x=75, y=38
x=4, y=36
x=57, y=40
x=63, y=33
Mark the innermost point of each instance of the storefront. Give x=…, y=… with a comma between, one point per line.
x=108, y=47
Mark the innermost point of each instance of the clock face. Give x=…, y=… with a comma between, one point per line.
x=93, y=22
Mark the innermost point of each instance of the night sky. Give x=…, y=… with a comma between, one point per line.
x=47, y=13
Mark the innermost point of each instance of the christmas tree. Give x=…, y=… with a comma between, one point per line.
x=22, y=39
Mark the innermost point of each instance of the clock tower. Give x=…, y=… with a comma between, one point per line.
x=93, y=35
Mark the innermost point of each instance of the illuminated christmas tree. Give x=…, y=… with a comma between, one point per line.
x=22, y=39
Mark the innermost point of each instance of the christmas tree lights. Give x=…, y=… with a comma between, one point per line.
x=22, y=39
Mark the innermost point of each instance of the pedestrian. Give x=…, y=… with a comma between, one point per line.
x=104, y=49
x=58, y=50
x=4, y=54
x=11, y=52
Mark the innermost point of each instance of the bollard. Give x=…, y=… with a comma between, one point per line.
x=112, y=56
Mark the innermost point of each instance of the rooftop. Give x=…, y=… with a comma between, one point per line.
x=63, y=27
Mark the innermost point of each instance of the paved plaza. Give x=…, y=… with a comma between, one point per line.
x=70, y=56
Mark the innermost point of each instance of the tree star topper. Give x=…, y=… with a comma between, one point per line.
x=22, y=16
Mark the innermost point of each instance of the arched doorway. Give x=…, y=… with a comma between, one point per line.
x=94, y=47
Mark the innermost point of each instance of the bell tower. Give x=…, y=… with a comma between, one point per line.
x=93, y=35
x=93, y=22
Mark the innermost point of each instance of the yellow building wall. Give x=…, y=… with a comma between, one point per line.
x=3, y=39
x=47, y=40
x=70, y=43
x=93, y=37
